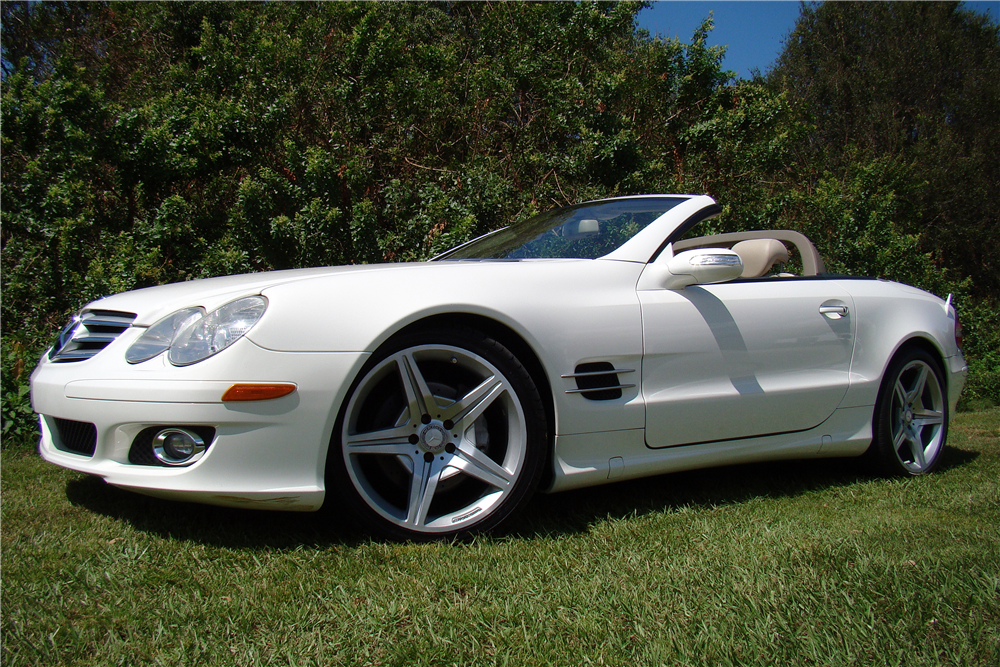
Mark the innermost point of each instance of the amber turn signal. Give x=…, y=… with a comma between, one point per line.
x=257, y=392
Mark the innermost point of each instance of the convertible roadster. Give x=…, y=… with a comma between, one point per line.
x=589, y=344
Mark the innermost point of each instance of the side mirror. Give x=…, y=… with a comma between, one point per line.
x=702, y=267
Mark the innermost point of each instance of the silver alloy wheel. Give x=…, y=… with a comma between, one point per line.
x=434, y=439
x=917, y=417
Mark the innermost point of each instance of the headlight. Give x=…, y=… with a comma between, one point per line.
x=158, y=337
x=216, y=331
x=191, y=335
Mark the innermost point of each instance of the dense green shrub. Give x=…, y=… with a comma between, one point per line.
x=144, y=143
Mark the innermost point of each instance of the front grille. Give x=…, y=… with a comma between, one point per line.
x=76, y=437
x=88, y=334
x=598, y=381
x=141, y=451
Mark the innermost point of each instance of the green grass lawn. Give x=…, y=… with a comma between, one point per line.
x=794, y=563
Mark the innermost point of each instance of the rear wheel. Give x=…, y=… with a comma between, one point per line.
x=443, y=435
x=911, y=416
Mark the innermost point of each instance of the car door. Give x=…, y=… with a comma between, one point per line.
x=745, y=358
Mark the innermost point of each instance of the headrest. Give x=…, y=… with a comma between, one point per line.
x=759, y=255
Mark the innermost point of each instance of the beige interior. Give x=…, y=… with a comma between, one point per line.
x=759, y=255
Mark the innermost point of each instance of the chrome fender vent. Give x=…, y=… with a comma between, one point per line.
x=88, y=334
x=598, y=381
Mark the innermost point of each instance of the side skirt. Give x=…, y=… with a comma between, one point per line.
x=589, y=459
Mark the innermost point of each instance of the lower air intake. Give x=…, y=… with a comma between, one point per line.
x=76, y=437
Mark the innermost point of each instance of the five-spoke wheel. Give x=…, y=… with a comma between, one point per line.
x=911, y=415
x=443, y=434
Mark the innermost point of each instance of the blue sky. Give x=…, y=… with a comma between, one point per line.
x=754, y=31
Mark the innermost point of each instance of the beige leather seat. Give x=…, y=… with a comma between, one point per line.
x=759, y=255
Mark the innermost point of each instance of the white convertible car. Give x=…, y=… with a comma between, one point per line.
x=594, y=343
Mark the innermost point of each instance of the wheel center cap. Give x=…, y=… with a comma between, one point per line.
x=907, y=415
x=433, y=438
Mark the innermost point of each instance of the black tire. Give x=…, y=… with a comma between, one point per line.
x=443, y=435
x=911, y=416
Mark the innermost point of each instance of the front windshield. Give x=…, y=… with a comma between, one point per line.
x=585, y=231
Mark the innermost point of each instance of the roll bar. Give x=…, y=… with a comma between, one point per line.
x=812, y=264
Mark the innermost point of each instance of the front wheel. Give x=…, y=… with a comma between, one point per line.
x=911, y=416
x=443, y=435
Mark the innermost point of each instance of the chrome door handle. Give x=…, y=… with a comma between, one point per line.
x=834, y=312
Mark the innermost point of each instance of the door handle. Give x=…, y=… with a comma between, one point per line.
x=834, y=312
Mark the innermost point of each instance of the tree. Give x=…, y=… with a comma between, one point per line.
x=919, y=84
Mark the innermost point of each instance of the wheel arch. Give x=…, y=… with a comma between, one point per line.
x=921, y=342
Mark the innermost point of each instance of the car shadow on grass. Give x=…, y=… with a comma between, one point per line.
x=208, y=524
x=708, y=488
x=564, y=513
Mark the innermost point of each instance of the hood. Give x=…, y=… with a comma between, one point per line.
x=153, y=303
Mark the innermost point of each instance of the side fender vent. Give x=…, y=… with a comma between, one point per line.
x=598, y=381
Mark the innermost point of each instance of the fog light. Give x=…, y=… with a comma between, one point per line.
x=177, y=447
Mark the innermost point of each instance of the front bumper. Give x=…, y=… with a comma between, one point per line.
x=265, y=454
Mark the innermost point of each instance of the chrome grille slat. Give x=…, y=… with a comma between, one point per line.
x=105, y=321
x=616, y=371
x=88, y=334
x=71, y=355
x=593, y=390
x=96, y=338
